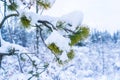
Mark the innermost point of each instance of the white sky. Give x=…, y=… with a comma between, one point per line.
x=100, y=14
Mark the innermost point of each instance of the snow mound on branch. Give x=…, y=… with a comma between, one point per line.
x=5, y=46
x=74, y=19
x=34, y=17
x=59, y=40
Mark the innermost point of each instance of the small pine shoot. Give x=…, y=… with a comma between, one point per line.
x=45, y=5
x=55, y=49
x=25, y=21
x=80, y=34
x=60, y=24
x=70, y=54
x=12, y=6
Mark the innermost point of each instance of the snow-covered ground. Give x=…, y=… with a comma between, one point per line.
x=91, y=62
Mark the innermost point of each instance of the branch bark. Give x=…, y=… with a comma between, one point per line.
x=47, y=23
x=45, y=43
x=6, y=17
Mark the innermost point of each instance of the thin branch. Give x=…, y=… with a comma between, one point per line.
x=30, y=60
x=47, y=23
x=19, y=64
x=0, y=60
x=5, y=7
x=37, y=40
x=4, y=54
x=37, y=73
x=68, y=30
x=6, y=17
x=42, y=37
x=44, y=41
x=34, y=66
x=27, y=56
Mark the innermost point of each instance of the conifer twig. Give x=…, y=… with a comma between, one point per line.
x=47, y=23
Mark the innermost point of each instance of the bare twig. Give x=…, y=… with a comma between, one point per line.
x=68, y=30
x=33, y=75
x=27, y=56
x=44, y=41
x=47, y=23
x=37, y=73
x=6, y=17
x=19, y=64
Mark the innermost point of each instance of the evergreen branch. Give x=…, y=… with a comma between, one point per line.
x=68, y=30
x=47, y=23
x=44, y=41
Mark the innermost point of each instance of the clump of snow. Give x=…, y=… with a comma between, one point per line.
x=32, y=16
x=63, y=56
x=5, y=46
x=74, y=18
x=59, y=40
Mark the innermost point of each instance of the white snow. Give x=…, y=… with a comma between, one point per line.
x=87, y=64
x=5, y=46
x=74, y=18
x=59, y=40
x=18, y=76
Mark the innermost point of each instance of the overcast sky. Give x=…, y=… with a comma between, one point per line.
x=100, y=14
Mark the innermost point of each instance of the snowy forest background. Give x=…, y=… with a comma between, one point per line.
x=96, y=57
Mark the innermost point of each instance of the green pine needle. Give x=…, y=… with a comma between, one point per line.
x=45, y=5
x=70, y=54
x=81, y=34
x=25, y=22
x=55, y=49
x=60, y=24
x=12, y=6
